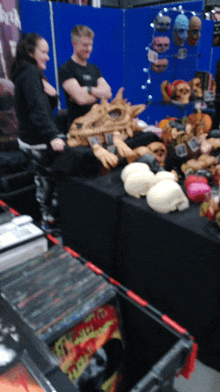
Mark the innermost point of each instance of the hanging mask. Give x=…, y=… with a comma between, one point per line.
x=160, y=66
x=161, y=44
x=162, y=23
x=181, y=54
x=180, y=30
x=195, y=25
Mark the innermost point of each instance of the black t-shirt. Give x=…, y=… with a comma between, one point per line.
x=86, y=76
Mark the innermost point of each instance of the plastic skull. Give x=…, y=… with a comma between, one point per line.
x=160, y=65
x=162, y=22
x=165, y=175
x=196, y=86
x=180, y=29
x=159, y=150
x=132, y=168
x=138, y=183
x=161, y=44
x=167, y=196
x=182, y=92
x=195, y=25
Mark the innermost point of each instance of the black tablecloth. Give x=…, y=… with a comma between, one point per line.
x=171, y=260
x=80, y=161
x=89, y=216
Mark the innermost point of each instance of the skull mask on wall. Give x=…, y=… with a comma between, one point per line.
x=161, y=44
x=179, y=91
x=182, y=92
x=195, y=25
x=180, y=29
x=196, y=86
x=162, y=23
x=160, y=66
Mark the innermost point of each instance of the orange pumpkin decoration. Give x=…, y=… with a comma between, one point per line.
x=162, y=124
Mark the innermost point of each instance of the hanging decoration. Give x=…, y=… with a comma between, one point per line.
x=174, y=31
x=195, y=25
x=180, y=29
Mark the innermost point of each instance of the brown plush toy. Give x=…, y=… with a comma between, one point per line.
x=158, y=149
x=203, y=162
x=210, y=145
x=200, y=122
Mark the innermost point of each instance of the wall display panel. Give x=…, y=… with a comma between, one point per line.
x=215, y=57
x=142, y=82
x=35, y=17
x=121, y=48
x=108, y=42
x=205, y=50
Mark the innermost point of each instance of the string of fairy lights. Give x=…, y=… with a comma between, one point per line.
x=147, y=70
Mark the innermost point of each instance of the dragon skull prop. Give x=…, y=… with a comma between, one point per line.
x=106, y=121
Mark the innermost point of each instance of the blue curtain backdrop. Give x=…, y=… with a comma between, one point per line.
x=121, y=37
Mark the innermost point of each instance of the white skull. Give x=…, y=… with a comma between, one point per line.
x=132, y=168
x=138, y=183
x=167, y=196
x=165, y=175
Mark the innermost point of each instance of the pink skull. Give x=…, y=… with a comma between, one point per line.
x=160, y=65
x=161, y=44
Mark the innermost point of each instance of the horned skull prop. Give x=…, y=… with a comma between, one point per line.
x=116, y=119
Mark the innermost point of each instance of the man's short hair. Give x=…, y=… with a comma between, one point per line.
x=79, y=31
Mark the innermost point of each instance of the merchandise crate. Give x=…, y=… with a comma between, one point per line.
x=153, y=350
x=20, y=238
x=5, y=214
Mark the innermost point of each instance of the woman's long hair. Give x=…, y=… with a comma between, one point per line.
x=25, y=47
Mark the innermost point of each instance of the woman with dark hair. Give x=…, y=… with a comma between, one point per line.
x=35, y=100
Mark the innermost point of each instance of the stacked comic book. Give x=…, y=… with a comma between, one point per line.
x=53, y=291
x=71, y=310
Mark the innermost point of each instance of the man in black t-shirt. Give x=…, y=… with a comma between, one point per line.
x=81, y=81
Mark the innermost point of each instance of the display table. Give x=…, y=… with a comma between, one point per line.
x=90, y=210
x=171, y=260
